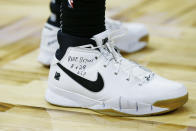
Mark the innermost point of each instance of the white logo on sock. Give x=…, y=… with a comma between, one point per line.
x=71, y=3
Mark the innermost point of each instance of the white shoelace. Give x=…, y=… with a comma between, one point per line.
x=134, y=71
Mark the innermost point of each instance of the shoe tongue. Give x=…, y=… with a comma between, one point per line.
x=103, y=41
x=101, y=38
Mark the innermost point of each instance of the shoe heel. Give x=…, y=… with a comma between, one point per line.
x=45, y=57
x=53, y=97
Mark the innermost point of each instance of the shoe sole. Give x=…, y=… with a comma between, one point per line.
x=170, y=104
x=64, y=98
x=144, y=39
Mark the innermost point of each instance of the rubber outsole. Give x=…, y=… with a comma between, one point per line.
x=165, y=106
x=144, y=39
x=170, y=104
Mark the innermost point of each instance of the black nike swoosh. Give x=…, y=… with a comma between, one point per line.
x=94, y=86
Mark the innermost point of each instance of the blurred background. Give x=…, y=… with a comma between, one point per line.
x=171, y=52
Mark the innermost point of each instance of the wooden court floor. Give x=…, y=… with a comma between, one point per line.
x=171, y=52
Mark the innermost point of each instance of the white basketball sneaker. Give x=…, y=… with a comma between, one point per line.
x=135, y=39
x=100, y=79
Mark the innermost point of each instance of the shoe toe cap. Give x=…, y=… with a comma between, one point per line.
x=167, y=94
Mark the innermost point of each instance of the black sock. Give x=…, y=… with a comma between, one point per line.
x=83, y=18
x=80, y=20
x=54, y=18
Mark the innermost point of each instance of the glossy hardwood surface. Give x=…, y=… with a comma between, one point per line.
x=171, y=53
